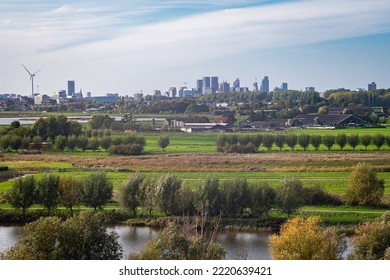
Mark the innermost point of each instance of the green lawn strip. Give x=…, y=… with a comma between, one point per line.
x=333, y=182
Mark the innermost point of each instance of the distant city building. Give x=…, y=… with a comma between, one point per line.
x=214, y=84
x=138, y=95
x=104, y=99
x=309, y=89
x=283, y=87
x=37, y=99
x=71, y=88
x=199, y=86
x=62, y=94
x=255, y=87
x=236, y=83
x=157, y=93
x=116, y=95
x=189, y=92
x=206, y=86
x=172, y=92
x=224, y=87
x=372, y=86
x=89, y=95
x=181, y=91
x=264, y=84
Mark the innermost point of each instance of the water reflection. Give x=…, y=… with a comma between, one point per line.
x=238, y=245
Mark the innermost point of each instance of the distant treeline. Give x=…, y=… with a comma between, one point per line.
x=251, y=143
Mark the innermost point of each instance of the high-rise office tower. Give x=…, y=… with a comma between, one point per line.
x=199, y=86
x=236, y=83
x=264, y=84
x=214, y=84
x=206, y=85
x=71, y=88
x=172, y=92
x=284, y=86
x=372, y=86
x=224, y=87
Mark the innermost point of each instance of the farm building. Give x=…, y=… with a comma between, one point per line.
x=326, y=120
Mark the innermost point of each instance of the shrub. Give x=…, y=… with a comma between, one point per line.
x=126, y=149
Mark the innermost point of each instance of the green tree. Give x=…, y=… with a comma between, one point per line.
x=48, y=191
x=37, y=141
x=341, y=140
x=70, y=191
x=82, y=237
x=353, y=140
x=371, y=240
x=237, y=196
x=15, y=142
x=316, y=141
x=291, y=141
x=304, y=141
x=329, y=141
x=163, y=142
x=147, y=194
x=263, y=198
x=128, y=193
x=105, y=142
x=210, y=199
x=378, y=140
x=364, y=187
x=366, y=140
x=289, y=195
x=280, y=140
x=175, y=243
x=268, y=141
x=82, y=143
x=97, y=190
x=22, y=193
x=167, y=187
x=305, y=239
x=60, y=143
x=40, y=128
x=93, y=143
x=72, y=142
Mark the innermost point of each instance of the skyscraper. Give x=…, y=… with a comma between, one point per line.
x=214, y=84
x=264, y=84
x=372, y=86
x=236, y=83
x=224, y=87
x=71, y=88
x=199, y=86
x=284, y=86
x=206, y=85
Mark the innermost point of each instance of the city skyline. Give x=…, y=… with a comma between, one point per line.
x=127, y=47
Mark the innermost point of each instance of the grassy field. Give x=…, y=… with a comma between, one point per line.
x=192, y=158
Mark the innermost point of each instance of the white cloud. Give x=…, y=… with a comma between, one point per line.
x=83, y=35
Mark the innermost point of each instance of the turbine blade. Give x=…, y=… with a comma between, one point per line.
x=37, y=71
x=27, y=70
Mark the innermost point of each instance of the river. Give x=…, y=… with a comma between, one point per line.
x=238, y=245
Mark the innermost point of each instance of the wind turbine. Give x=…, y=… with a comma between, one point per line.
x=32, y=80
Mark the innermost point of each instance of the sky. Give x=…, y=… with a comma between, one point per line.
x=129, y=46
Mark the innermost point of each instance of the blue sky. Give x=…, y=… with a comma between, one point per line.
x=127, y=46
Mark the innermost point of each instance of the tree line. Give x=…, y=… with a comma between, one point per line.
x=247, y=143
x=167, y=194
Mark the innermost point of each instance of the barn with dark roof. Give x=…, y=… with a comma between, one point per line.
x=326, y=120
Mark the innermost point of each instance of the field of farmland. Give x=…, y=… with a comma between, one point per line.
x=193, y=157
